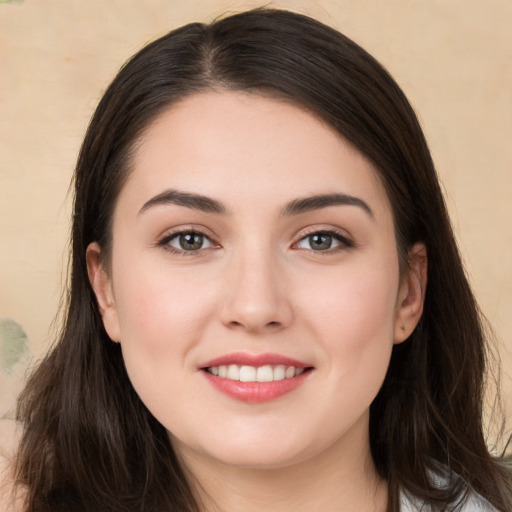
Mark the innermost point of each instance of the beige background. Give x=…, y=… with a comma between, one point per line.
x=452, y=57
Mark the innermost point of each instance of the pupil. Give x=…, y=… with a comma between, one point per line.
x=191, y=241
x=321, y=241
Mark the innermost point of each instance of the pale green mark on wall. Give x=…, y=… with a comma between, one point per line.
x=13, y=345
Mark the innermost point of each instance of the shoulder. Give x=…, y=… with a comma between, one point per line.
x=473, y=502
x=469, y=500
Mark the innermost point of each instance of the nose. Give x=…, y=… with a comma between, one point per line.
x=256, y=298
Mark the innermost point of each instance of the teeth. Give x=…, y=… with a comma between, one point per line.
x=247, y=373
x=280, y=372
x=265, y=373
x=290, y=372
x=233, y=372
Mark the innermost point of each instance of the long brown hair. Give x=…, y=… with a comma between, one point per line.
x=89, y=443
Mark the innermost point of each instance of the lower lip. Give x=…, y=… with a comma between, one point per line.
x=255, y=392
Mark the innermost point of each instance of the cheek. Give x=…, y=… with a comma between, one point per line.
x=355, y=300
x=353, y=320
x=157, y=297
x=162, y=313
x=353, y=316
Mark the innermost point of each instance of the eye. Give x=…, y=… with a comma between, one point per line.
x=187, y=241
x=322, y=241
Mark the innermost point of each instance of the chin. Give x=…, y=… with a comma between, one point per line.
x=265, y=450
x=260, y=458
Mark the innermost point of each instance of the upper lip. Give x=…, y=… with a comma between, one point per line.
x=256, y=360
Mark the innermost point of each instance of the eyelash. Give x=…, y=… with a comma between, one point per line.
x=165, y=242
x=344, y=242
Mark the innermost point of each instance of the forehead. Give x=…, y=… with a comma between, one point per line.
x=232, y=145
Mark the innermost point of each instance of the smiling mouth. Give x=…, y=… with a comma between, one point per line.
x=265, y=373
x=256, y=378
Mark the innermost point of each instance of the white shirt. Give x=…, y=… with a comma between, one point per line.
x=473, y=503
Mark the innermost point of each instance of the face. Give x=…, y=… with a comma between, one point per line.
x=254, y=282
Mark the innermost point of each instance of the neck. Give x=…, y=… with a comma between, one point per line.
x=341, y=478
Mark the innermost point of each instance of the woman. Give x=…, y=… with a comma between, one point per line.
x=252, y=321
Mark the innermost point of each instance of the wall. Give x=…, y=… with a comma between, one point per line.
x=453, y=58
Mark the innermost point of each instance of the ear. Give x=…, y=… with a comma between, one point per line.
x=101, y=283
x=411, y=294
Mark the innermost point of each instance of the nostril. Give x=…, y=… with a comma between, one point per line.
x=274, y=325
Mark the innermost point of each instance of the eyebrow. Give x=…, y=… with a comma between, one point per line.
x=307, y=204
x=295, y=207
x=193, y=201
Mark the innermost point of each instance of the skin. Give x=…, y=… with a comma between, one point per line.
x=257, y=285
